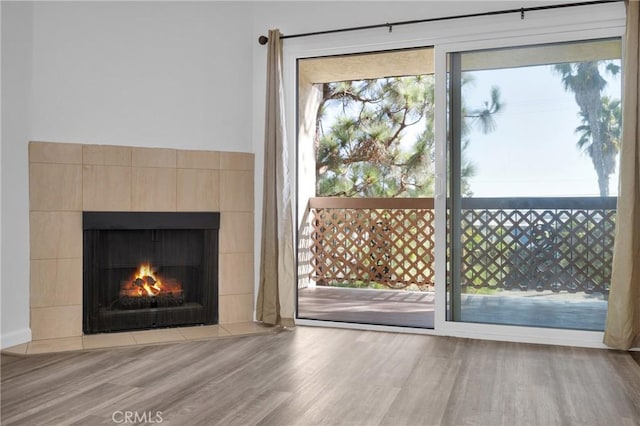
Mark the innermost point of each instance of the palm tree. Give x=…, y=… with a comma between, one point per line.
x=586, y=83
x=610, y=130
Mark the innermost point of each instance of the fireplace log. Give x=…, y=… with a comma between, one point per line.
x=129, y=302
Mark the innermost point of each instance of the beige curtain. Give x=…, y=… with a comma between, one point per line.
x=623, y=315
x=276, y=292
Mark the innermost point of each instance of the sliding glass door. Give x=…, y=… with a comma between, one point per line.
x=366, y=186
x=532, y=163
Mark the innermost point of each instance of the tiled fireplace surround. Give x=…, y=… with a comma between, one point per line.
x=66, y=179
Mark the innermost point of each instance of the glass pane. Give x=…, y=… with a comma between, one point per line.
x=534, y=154
x=366, y=175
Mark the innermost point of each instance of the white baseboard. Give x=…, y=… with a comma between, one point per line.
x=14, y=338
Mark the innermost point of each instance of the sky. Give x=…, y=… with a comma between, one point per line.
x=532, y=152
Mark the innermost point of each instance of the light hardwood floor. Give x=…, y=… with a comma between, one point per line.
x=324, y=376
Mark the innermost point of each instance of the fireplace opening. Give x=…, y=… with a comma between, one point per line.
x=145, y=270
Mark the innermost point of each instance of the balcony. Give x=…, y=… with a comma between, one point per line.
x=526, y=261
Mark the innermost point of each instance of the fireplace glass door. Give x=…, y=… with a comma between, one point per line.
x=150, y=273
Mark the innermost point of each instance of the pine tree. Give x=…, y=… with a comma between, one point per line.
x=375, y=138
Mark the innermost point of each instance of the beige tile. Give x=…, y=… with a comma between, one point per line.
x=21, y=349
x=235, y=308
x=55, y=345
x=153, y=189
x=55, y=322
x=236, y=232
x=198, y=190
x=202, y=332
x=53, y=152
x=106, y=188
x=153, y=157
x=55, y=235
x=56, y=282
x=157, y=336
x=55, y=187
x=236, y=190
x=236, y=161
x=240, y=328
x=106, y=155
x=236, y=273
x=209, y=160
x=107, y=340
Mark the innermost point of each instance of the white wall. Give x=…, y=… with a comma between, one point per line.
x=162, y=74
x=16, y=76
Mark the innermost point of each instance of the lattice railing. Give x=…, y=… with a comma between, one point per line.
x=364, y=240
x=305, y=256
x=557, y=244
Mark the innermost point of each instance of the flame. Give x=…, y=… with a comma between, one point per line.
x=145, y=282
x=144, y=272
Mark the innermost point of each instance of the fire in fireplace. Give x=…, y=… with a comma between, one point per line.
x=149, y=270
x=145, y=289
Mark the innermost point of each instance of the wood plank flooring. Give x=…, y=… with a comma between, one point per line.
x=324, y=376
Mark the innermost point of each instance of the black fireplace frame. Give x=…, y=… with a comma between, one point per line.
x=95, y=222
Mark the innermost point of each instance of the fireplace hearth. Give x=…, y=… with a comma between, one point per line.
x=145, y=270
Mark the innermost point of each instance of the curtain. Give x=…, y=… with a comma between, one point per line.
x=623, y=315
x=276, y=290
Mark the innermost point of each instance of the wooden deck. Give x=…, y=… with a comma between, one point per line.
x=416, y=309
x=385, y=307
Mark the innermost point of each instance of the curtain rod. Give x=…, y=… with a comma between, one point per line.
x=263, y=39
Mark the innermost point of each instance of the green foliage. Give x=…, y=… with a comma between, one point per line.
x=358, y=284
x=375, y=138
x=483, y=117
x=610, y=124
x=364, y=152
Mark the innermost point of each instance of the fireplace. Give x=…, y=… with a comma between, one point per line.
x=145, y=270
